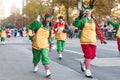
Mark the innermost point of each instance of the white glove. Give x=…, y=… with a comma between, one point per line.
x=56, y=29
x=108, y=18
x=38, y=18
x=61, y=29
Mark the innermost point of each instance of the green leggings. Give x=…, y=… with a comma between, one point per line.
x=2, y=38
x=60, y=45
x=40, y=54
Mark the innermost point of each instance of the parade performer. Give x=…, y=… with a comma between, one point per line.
x=8, y=33
x=117, y=28
x=3, y=35
x=60, y=29
x=89, y=28
x=24, y=33
x=40, y=44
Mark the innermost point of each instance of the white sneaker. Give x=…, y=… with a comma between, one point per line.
x=60, y=56
x=82, y=66
x=48, y=74
x=88, y=73
x=3, y=43
x=35, y=69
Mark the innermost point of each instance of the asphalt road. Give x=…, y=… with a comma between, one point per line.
x=106, y=66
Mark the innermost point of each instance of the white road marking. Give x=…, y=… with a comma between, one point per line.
x=102, y=62
x=74, y=51
x=105, y=62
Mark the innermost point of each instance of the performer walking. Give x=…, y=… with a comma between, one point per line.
x=40, y=44
x=8, y=33
x=60, y=29
x=3, y=35
x=89, y=29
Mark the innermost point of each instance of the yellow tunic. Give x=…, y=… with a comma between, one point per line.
x=88, y=34
x=40, y=39
x=3, y=33
x=60, y=35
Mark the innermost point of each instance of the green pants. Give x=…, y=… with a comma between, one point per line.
x=2, y=39
x=60, y=45
x=40, y=55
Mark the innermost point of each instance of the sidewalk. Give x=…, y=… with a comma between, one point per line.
x=16, y=64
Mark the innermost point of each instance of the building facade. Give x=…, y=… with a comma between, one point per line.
x=2, y=10
x=25, y=2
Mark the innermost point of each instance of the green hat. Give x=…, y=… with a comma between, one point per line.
x=47, y=16
x=88, y=9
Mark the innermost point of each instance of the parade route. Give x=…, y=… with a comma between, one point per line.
x=16, y=64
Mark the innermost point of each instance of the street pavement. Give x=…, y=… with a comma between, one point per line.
x=16, y=64
x=104, y=67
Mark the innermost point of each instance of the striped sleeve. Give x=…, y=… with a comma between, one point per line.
x=99, y=32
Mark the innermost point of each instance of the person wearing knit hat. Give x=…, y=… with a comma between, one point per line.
x=117, y=28
x=89, y=29
x=40, y=44
x=60, y=29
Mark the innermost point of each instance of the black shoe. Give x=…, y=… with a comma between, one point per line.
x=48, y=76
x=89, y=76
x=82, y=69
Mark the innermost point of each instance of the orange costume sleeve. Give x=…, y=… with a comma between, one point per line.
x=55, y=27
